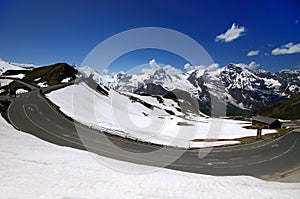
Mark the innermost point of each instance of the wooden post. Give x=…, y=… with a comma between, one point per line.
x=258, y=135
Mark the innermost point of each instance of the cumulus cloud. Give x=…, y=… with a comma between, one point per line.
x=188, y=66
x=211, y=67
x=153, y=64
x=251, y=66
x=253, y=53
x=105, y=71
x=153, y=67
x=289, y=48
x=231, y=34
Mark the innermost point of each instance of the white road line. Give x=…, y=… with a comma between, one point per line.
x=187, y=166
x=59, y=126
x=258, y=162
x=70, y=141
x=65, y=135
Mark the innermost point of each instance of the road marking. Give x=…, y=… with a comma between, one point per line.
x=222, y=167
x=282, y=154
x=235, y=166
x=82, y=145
x=258, y=162
x=66, y=135
x=187, y=166
x=59, y=126
x=268, y=143
x=55, y=135
x=220, y=162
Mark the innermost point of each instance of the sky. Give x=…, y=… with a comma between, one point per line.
x=258, y=33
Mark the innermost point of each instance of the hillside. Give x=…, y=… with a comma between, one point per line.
x=286, y=109
x=52, y=74
x=40, y=76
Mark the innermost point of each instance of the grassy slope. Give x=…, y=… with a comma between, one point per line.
x=286, y=109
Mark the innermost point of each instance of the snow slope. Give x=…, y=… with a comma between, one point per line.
x=117, y=114
x=4, y=66
x=32, y=168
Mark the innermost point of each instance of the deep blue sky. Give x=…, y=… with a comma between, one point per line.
x=45, y=32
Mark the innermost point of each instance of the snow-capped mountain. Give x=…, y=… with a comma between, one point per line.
x=4, y=66
x=241, y=87
x=150, y=74
x=245, y=88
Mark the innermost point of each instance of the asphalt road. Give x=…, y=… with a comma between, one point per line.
x=268, y=159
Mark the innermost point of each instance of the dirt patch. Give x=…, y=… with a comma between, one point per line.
x=184, y=124
x=248, y=139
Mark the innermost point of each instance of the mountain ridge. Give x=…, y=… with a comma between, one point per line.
x=240, y=87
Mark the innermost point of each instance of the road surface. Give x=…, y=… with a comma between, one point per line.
x=268, y=159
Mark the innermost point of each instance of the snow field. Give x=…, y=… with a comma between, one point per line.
x=117, y=114
x=32, y=168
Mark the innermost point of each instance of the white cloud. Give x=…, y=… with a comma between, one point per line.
x=231, y=34
x=105, y=71
x=187, y=66
x=253, y=53
x=211, y=67
x=153, y=64
x=289, y=48
x=153, y=67
x=251, y=66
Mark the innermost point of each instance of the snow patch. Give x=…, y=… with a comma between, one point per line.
x=18, y=76
x=66, y=80
x=21, y=91
x=4, y=82
x=42, y=84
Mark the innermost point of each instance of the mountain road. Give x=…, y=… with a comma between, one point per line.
x=266, y=159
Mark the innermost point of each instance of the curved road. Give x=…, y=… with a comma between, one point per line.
x=269, y=159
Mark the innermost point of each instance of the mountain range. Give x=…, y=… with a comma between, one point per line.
x=242, y=90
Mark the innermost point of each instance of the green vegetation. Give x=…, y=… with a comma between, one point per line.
x=288, y=109
x=235, y=111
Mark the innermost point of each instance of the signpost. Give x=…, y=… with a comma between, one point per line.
x=259, y=131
